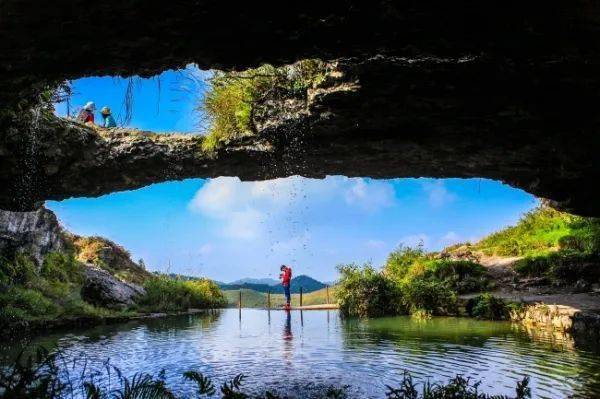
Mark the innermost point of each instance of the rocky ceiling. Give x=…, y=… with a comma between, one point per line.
x=506, y=90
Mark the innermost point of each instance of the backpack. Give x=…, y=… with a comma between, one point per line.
x=82, y=116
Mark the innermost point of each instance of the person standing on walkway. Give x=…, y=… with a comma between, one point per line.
x=286, y=278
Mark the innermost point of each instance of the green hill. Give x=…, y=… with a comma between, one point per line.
x=307, y=283
x=542, y=231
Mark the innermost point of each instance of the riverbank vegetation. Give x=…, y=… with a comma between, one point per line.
x=411, y=282
x=560, y=248
x=542, y=231
x=32, y=294
x=229, y=102
x=553, y=245
x=29, y=293
x=167, y=294
x=46, y=375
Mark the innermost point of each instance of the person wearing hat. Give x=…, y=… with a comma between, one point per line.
x=87, y=113
x=109, y=121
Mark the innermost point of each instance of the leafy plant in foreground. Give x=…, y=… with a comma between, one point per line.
x=457, y=388
x=39, y=377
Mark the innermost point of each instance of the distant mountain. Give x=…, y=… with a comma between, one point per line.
x=249, y=280
x=307, y=283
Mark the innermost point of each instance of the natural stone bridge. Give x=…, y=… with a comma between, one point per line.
x=507, y=91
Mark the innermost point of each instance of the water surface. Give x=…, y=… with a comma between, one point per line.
x=302, y=351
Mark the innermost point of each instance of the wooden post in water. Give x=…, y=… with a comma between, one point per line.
x=327, y=293
x=240, y=300
x=300, y=296
x=269, y=299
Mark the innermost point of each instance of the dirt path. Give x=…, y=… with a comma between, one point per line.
x=509, y=286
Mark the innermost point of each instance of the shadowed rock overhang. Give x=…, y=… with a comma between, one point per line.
x=504, y=90
x=431, y=120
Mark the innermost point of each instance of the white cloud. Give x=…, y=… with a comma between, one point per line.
x=370, y=195
x=243, y=209
x=438, y=193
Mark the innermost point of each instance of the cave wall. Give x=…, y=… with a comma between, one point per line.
x=532, y=128
x=506, y=90
x=67, y=39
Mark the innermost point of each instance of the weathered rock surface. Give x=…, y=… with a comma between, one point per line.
x=109, y=256
x=435, y=118
x=56, y=41
x=505, y=90
x=102, y=289
x=35, y=233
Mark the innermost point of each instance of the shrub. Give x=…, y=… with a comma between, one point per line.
x=401, y=260
x=568, y=268
x=534, y=266
x=30, y=302
x=61, y=267
x=563, y=267
x=231, y=97
x=429, y=295
x=19, y=270
x=167, y=294
x=486, y=306
x=421, y=314
x=461, y=276
x=541, y=231
x=364, y=292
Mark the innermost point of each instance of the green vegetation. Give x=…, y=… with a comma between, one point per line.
x=365, y=292
x=52, y=292
x=561, y=268
x=405, y=265
x=542, y=231
x=555, y=245
x=229, y=103
x=563, y=248
x=486, y=306
x=168, y=294
x=411, y=282
x=42, y=376
x=109, y=256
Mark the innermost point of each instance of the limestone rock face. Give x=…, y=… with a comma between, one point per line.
x=35, y=233
x=379, y=117
x=505, y=90
x=102, y=289
x=110, y=257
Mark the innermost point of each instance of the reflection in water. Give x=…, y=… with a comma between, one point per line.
x=320, y=348
x=288, y=337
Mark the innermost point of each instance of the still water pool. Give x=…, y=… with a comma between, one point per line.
x=300, y=351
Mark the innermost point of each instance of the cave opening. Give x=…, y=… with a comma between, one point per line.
x=424, y=171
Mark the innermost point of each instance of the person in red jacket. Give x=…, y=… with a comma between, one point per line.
x=286, y=278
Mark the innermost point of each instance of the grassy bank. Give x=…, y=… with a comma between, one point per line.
x=51, y=294
x=32, y=294
x=541, y=232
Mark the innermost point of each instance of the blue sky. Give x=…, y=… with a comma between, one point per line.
x=226, y=229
